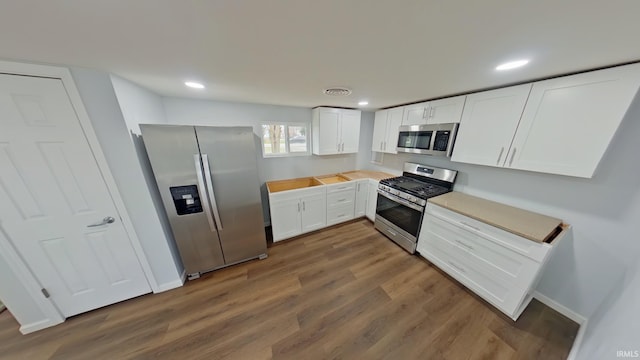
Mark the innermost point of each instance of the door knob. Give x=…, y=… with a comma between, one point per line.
x=105, y=221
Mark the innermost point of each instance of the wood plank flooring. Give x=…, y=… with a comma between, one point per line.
x=342, y=293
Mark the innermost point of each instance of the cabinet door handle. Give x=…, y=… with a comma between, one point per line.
x=358, y=187
x=465, y=245
x=381, y=145
x=456, y=267
x=303, y=207
x=343, y=147
x=513, y=154
x=431, y=111
x=298, y=207
x=500, y=156
x=424, y=113
x=338, y=147
x=471, y=226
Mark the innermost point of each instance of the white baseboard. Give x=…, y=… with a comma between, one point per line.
x=560, y=308
x=173, y=284
x=39, y=325
x=577, y=343
x=581, y=320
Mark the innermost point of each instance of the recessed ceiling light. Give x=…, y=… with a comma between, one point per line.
x=193, y=84
x=363, y=103
x=512, y=65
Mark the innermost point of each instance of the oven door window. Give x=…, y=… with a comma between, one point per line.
x=415, y=139
x=400, y=215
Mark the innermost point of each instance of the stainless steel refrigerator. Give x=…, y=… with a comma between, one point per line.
x=208, y=181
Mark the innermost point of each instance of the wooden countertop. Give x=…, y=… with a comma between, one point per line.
x=366, y=174
x=530, y=225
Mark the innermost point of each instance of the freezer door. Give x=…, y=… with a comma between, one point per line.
x=235, y=186
x=175, y=159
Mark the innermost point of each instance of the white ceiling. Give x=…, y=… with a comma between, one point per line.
x=286, y=52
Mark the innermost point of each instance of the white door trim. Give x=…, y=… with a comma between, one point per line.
x=52, y=314
x=85, y=123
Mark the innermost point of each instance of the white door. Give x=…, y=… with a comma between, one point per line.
x=285, y=219
x=51, y=190
x=569, y=121
x=350, y=131
x=489, y=122
x=314, y=212
x=415, y=114
x=394, y=121
x=379, y=131
x=446, y=111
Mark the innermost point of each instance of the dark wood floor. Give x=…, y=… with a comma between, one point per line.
x=342, y=293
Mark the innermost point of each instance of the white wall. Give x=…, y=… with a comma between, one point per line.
x=587, y=269
x=141, y=106
x=217, y=113
x=99, y=98
x=138, y=105
x=616, y=324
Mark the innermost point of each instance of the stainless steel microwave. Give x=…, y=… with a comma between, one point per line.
x=436, y=139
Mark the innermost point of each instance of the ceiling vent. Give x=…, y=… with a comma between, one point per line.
x=337, y=91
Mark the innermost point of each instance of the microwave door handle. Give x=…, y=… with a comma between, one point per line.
x=204, y=198
x=212, y=195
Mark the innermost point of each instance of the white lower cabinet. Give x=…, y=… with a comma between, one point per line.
x=285, y=218
x=295, y=212
x=372, y=199
x=341, y=200
x=362, y=192
x=299, y=211
x=313, y=212
x=499, y=266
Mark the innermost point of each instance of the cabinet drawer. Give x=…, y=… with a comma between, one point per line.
x=345, y=186
x=340, y=214
x=500, y=295
x=341, y=198
x=483, y=256
x=495, y=238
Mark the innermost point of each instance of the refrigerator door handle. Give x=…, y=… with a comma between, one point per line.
x=212, y=195
x=203, y=192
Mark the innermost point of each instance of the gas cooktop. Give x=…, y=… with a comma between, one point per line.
x=414, y=187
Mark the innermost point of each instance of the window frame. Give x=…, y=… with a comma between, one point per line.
x=287, y=147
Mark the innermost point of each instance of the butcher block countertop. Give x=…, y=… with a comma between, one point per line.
x=366, y=174
x=527, y=224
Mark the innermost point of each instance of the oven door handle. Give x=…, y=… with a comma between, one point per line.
x=401, y=201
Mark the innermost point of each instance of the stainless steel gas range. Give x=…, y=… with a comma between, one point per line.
x=402, y=199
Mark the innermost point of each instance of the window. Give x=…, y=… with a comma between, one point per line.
x=284, y=140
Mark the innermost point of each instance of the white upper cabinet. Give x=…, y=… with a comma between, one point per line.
x=350, y=131
x=415, y=114
x=442, y=111
x=379, y=130
x=335, y=131
x=489, y=121
x=385, y=130
x=569, y=122
x=564, y=128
